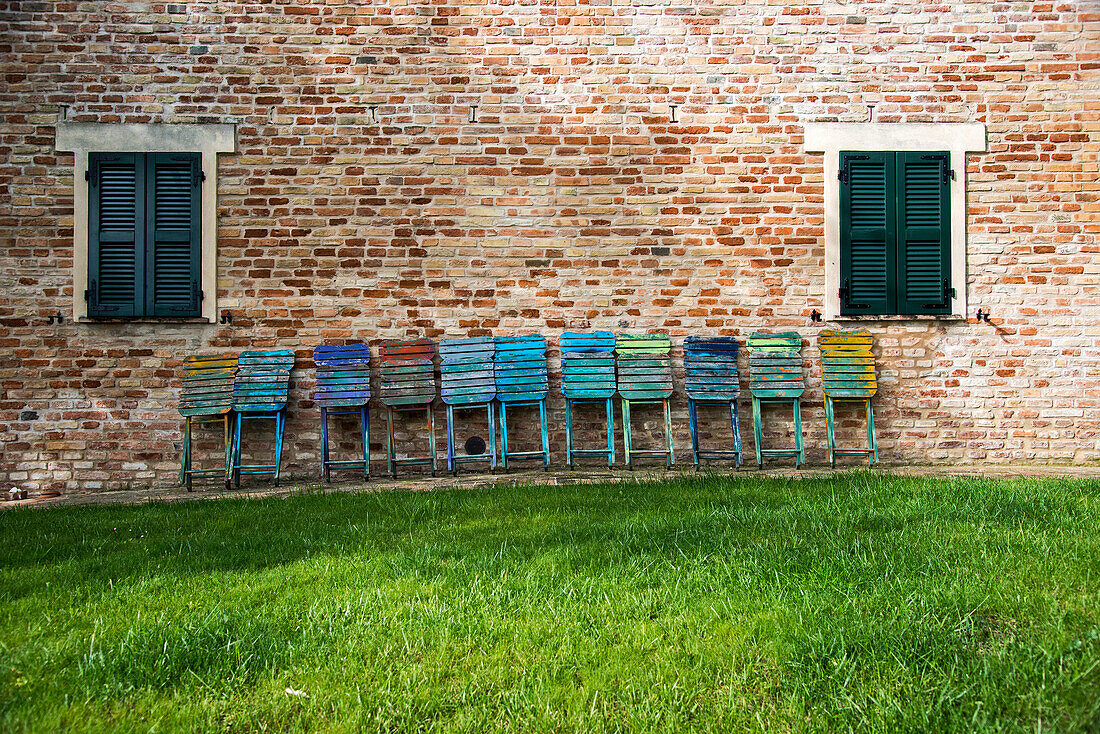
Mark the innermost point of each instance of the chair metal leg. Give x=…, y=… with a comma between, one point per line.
x=492, y=436
x=365, y=428
x=545, y=434
x=798, y=433
x=431, y=435
x=237, y=451
x=185, y=458
x=504, y=436
x=451, y=440
x=227, y=437
x=693, y=429
x=872, y=441
x=325, y=472
x=627, y=446
x=829, y=430
x=758, y=432
x=280, y=427
x=609, y=408
x=670, y=455
x=738, y=457
x=569, y=433
x=391, y=451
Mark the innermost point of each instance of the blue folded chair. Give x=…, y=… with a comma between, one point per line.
x=343, y=388
x=260, y=392
x=711, y=377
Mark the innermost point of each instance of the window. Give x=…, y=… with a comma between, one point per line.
x=144, y=229
x=894, y=212
x=895, y=233
x=145, y=218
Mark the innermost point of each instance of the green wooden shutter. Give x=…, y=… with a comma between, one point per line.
x=116, y=260
x=924, y=233
x=173, y=231
x=867, y=234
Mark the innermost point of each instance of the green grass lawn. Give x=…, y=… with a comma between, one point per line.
x=854, y=602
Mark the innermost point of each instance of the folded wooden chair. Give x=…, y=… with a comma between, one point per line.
x=408, y=383
x=710, y=374
x=521, y=379
x=775, y=376
x=343, y=388
x=207, y=397
x=643, y=374
x=588, y=376
x=848, y=375
x=260, y=392
x=466, y=372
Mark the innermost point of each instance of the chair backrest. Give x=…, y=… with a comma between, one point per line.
x=466, y=370
x=643, y=369
x=710, y=368
x=775, y=365
x=262, y=382
x=343, y=375
x=587, y=365
x=207, y=385
x=520, y=369
x=847, y=364
x=408, y=373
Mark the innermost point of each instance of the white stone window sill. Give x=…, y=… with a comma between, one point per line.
x=144, y=320
x=917, y=317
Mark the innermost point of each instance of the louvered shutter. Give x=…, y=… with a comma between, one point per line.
x=172, y=234
x=116, y=261
x=924, y=235
x=867, y=233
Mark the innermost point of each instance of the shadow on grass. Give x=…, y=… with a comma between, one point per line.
x=683, y=517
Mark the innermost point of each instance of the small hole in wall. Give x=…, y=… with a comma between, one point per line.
x=475, y=446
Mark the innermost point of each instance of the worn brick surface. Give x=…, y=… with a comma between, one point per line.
x=573, y=202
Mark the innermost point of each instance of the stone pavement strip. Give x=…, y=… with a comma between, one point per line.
x=425, y=483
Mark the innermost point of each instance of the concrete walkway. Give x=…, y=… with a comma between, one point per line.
x=556, y=476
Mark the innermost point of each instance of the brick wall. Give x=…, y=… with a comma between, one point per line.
x=573, y=202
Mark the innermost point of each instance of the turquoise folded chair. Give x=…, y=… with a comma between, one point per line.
x=261, y=389
x=588, y=376
x=519, y=367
